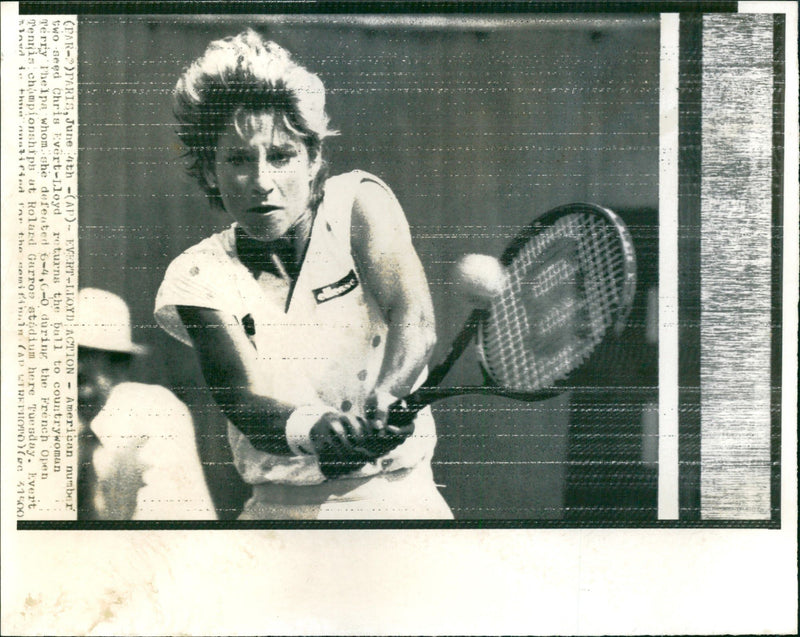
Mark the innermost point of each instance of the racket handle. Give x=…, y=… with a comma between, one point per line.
x=402, y=412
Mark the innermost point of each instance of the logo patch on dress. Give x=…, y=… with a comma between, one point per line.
x=340, y=288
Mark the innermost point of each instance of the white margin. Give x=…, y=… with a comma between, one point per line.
x=668, y=495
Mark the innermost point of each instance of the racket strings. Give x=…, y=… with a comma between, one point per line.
x=512, y=320
x=520, y=368
x=561, y=296
x=605, y=263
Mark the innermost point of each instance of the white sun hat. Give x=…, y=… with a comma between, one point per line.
x=104, y=322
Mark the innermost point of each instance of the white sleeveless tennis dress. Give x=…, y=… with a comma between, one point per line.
x=322, y=340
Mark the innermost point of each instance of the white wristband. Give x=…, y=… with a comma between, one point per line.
x=298, y=428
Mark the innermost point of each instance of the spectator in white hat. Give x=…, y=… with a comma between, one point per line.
x=138, y=454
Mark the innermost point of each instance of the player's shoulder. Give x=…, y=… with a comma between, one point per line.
x=367, y=193
x=375, y=204
x=359, y=183
x=217, y=245
x=213, y=251
x=351, y=200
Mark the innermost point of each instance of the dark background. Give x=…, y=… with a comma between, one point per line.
x=478, y=125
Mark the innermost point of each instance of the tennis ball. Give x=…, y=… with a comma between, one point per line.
x=479, y=277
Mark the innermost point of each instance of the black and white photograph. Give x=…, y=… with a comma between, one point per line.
x=438, y=142
x=323, y=302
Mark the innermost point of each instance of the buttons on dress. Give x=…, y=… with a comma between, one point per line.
x=346, y=405
x=194, y=271
x=362, y=375
x=249, y=325
x=376, y=340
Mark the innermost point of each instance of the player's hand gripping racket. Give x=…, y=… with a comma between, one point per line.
x=570, y=278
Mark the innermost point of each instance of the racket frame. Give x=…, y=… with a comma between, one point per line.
x=404, y=410
x=537, y=226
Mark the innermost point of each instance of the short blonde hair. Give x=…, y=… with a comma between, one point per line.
x=247, y=73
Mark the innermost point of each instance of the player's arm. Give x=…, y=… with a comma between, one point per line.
x=393, y=272
x=229, y=365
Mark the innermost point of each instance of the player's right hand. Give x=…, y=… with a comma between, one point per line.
x=340, y=433
x=340, y=443
x=386, y=435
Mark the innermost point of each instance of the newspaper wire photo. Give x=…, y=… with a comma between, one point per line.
x=683, y=123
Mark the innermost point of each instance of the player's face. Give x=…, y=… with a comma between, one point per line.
x=264, y=175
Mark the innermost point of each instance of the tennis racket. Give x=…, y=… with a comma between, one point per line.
x=571, y=279
x=569, y=287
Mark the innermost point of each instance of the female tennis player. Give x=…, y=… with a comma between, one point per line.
x=311, y=313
